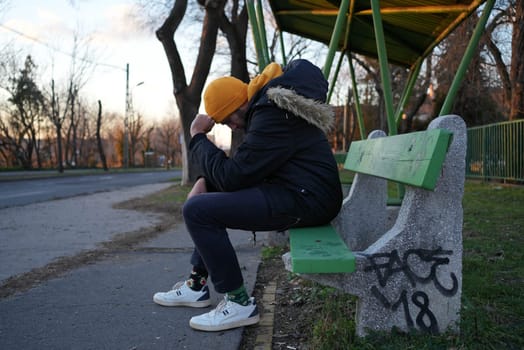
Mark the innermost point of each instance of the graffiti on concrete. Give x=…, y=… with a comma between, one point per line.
x=419, y=266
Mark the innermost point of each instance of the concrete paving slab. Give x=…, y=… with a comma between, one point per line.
x=34, y=235
x=178, y=237
x=108, y=305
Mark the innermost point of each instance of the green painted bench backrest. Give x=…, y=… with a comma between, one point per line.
x=413, y=159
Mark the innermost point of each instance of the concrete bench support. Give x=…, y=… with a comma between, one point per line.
x=409, y=275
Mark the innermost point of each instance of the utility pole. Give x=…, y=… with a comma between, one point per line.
x=126, y=121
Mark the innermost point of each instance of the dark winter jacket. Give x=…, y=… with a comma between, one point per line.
x=285, y=150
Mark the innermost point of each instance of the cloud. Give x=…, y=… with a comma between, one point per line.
x=123, y=23
x=50, y=18
x=46, y=25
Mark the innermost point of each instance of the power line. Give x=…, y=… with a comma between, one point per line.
x=17, y=32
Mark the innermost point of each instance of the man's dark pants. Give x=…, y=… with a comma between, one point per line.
x=208, y=215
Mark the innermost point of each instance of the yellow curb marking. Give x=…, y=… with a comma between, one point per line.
x=265, y=327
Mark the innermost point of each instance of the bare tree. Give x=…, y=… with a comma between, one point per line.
x=475, y=98
x=420, y=96
x=71, y=134
x=372, y=76
x=8, y=143
x=57, y=118
x=501, y=19
x=8, y=70
x=86, y=135
x=137, y=131
x=71, y=115
x=99, y=137
x=28, y=102
x=80, y=69
x=146, y=143
x=168, y=140
x=113, y=132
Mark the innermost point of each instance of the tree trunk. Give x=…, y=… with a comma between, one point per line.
x=36, y=144
x=188, y=96
x=99, y=138
x=68, y=153
x=74, y=126
x=59, y=145
x=517, y=64
x=236, y=32
x=27, y=156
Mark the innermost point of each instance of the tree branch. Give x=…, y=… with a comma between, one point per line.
x=208, y=41
x=165, y=34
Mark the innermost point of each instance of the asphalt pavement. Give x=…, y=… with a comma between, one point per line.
x=22, y=188
x=106, y=303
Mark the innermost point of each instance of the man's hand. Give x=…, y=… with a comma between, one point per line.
x=198, y=188
x=201, y=124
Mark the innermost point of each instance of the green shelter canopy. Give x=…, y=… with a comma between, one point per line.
x=411, y=28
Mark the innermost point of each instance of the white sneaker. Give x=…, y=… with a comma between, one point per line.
x=182, y=295
x=227, y=315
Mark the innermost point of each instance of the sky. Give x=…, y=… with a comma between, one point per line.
x=46, y=29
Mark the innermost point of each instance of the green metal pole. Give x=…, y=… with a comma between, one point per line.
x=282, y=48
x=384, y=68
x=360, y=116
x=256, y=34
x=406, y=94
x=413, y=75
x=335, y=36
x=335, y=76
x=262, y=30
x=463, y=67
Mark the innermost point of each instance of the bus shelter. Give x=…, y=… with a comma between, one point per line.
x=401, y=32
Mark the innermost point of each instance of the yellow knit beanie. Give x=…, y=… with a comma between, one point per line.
x=223, y=96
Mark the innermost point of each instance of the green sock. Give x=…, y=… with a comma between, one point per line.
x=239, y=296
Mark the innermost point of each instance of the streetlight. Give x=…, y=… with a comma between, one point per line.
x=128, y=113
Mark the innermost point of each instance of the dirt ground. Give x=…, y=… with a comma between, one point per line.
x=293, y=316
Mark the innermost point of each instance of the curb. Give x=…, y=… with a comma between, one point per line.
x=264, y=337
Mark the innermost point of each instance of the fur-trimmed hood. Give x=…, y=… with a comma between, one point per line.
x=314, y=112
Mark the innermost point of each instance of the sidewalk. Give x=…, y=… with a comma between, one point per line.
x=106, y=304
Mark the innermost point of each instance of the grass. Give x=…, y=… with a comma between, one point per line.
x=167, y=201
x=492, y=315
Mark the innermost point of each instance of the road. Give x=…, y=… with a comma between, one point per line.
x=23, y=192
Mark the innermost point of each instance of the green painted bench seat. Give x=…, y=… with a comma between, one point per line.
x=413, y=159
x=319, y=249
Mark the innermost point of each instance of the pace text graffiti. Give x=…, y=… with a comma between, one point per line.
x=420, y=267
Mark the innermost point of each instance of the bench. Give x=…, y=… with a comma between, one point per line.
x=405, y=268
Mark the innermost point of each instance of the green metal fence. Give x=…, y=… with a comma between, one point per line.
x=496, y=151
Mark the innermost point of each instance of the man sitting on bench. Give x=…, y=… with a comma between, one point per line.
x=283, y=175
